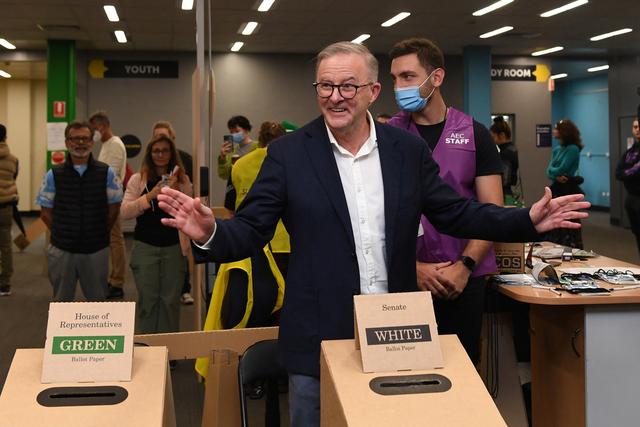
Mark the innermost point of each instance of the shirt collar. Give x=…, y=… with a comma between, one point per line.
x=370, y=144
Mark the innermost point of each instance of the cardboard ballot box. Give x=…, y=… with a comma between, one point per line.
x=148, y=398
x=348, y=397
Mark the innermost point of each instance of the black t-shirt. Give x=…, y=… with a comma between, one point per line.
x=150, y=230
x=487, y=156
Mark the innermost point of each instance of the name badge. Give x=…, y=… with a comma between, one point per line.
x=459, y=141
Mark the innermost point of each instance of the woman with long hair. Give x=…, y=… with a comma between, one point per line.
x=157, y=254
x=562, y=171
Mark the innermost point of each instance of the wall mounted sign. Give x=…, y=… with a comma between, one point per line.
x=133, y=69
x=59, y=109
x=527, y=73
x=397, y=332
x=89, y=342
x=132, y=144
x=543, y=135
x=55, y=136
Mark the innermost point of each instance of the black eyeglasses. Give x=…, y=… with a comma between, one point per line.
x=76, y=139
x=578, y=277
x=346, y=90
x=614, y=274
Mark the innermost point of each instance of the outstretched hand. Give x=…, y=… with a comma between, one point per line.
x=189, y=215
x=548, y=213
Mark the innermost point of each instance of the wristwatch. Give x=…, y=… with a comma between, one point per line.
x=468, y=262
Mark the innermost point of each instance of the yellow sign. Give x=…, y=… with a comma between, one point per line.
x=97, y=68
x=520, y=72
x=542, y=73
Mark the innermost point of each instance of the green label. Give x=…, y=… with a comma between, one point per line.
x=88, y=345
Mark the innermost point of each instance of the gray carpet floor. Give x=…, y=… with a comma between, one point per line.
x=23, y=315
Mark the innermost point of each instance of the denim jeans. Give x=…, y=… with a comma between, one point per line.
x=304, y=401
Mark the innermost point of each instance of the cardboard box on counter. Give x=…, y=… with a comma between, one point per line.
x=509, y=257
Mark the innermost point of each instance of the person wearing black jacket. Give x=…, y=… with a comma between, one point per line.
x=628, y=171
x=350, y=192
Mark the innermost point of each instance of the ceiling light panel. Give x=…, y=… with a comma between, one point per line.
x=120, y=36
x=558, y=76
x=248, y=28
x=598, y=68
x=237, y=46
x=611, y=34
x=399, y=17
x=265, y=5
x=496, y=32
x=187, y=5
x=564, y=8
x=361, y=38
x=547, y=51
x=5, y=74
x=6, y=44
x=491, y=7
x=112, y=14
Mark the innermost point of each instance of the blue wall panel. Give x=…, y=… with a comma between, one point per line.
x=586, y=102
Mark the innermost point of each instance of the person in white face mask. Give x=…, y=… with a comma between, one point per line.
x=240, y=144
x=113, y=153
x=452, y=269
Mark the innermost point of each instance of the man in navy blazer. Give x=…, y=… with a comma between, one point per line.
x=350, y=193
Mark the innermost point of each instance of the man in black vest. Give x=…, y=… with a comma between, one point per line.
x=80, y=202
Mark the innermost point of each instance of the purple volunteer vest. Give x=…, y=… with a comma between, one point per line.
x=455, y=153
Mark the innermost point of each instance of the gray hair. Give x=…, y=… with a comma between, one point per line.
x=100, y=117
x=349, y=48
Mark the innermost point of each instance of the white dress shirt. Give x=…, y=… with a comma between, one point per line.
x=361, y=177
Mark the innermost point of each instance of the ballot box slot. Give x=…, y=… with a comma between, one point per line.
x=82, y=396
x=410, y=384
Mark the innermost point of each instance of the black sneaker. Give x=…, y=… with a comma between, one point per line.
x=114, y=292
x=5, y=291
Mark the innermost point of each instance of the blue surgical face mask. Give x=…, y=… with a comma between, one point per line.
x=238, y=137
x=409, y=99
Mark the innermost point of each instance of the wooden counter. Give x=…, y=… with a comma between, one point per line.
x=541, y=296
x=584, y=353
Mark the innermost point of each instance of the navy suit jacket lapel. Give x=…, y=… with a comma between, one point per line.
x=324, y=163
x=391, y=163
